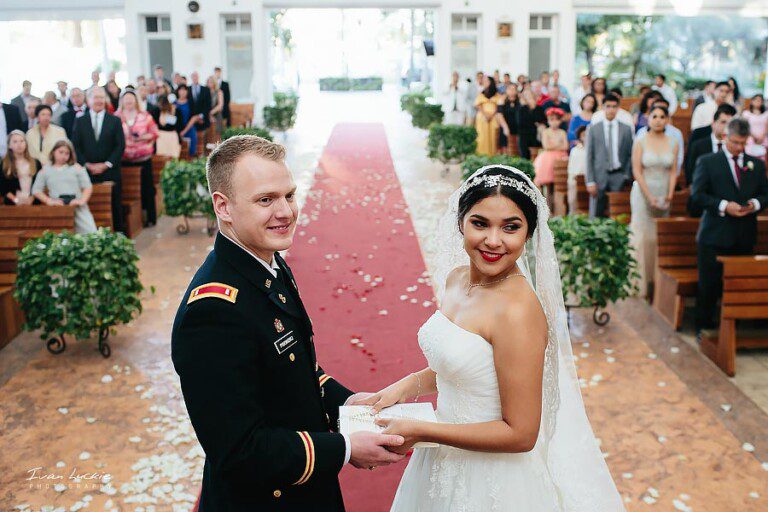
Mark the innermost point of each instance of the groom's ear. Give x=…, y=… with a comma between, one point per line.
x=221, y=206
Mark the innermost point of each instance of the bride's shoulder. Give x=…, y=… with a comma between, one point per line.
x=520, y=313
x=456, y=276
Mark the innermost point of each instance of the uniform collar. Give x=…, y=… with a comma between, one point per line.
x=260, y=276
x=272, y=267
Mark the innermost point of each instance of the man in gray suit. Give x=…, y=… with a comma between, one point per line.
x=609, y=157
x=22, y=99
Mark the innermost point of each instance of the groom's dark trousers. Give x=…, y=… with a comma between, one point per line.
x=721, y=234
x=263, y=409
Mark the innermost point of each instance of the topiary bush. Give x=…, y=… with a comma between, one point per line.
x=281, y=115
x=424, y=115
x=71, y=284
x=449, y=143
x=474, y=162
x=597, y=265
x=185, y=189
x=252, y=130
x=410, y=99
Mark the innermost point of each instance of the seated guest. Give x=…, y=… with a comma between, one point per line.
x=623, y=116
x=554, y=142
x=140, y=133
x=76, y=110
x=584, y=117
x=99, y=144
x=170, y=125
x=113, y=95
x=62, y=182
x=757, y=117
x=44, y=135
x=705, y=112
x=731, y=187
x=188, y=118
x=10, y=118
x=670, y=130
x=29, y=114
x=18, y=171
x=577, y=163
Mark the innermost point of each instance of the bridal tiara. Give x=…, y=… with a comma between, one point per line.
x=496, y=180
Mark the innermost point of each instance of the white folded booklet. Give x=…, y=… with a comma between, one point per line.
x=360, y=418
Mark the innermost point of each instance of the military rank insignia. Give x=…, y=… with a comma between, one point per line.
x=282, y=298
x=279, y=325
x=268, y=283
x=213, y=290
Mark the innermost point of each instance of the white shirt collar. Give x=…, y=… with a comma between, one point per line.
x=729, y=156
x=272, y=267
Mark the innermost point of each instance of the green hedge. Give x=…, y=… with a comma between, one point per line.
x=185, y=189
x=281, y=115
x=253, y=130
x=424, y=115
x=597, y=265
x=410, y=99
x=474, y=162
x=340, y=83
x=71, y=284
x=451, y=143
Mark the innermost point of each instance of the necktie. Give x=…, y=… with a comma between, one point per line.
x=738, y=169
x=719, y=146
x=97, y=126
x=610, y=146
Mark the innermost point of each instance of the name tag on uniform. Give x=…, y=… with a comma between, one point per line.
x=286, y=342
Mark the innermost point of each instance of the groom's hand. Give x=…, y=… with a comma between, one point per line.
x=370, y=449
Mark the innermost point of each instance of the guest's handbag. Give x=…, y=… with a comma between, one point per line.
x=168, y=144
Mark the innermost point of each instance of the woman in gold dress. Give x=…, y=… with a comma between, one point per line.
x=487, y=103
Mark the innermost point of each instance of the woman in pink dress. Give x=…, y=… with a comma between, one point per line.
x=554, y=141
x=140, y=133
x=757, y=117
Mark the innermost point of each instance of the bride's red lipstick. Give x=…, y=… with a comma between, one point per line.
x=491, y=257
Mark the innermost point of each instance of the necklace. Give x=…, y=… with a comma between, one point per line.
x=475, y=285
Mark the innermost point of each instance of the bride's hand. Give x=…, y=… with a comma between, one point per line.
x=409, y=429
x=391, y=395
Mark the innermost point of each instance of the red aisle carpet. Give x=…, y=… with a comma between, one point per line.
x=362, y=277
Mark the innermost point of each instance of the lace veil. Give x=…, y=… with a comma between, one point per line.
x=566, y=440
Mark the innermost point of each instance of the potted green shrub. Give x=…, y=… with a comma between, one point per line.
x=251, y=130
x=450, y=144
x=424, y=115
x=76, y=285
x=409, y=99
x=475, y=162
x=185, y=192
x=281, y=115
x=597, y=265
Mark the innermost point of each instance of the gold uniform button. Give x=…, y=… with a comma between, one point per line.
x=291, y=357
x=277, y=493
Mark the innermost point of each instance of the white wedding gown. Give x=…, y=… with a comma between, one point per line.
x=448, y=479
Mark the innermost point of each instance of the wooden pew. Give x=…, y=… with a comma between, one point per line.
x=561, y=187
x=534, y=152
x=582, y=196
x=619, y=208
x=131, y=199
x=11, y=316
x=184, y=155
x=100, y=204
x=35, y=220
x=745, y=296
x=240, y=115
x=158, y=163
x=679, y=208
x=676, y=272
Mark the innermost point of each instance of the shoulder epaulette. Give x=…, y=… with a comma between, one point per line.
x=213, y=290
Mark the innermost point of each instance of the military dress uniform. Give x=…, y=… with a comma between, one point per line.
x=263, y=409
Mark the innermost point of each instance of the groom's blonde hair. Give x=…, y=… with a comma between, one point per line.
x=222, y=160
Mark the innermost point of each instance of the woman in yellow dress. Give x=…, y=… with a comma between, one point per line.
x=485, y=121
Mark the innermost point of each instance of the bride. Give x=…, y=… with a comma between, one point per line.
x=512, y=429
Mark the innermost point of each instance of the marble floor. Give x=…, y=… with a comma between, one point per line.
x=676, y=433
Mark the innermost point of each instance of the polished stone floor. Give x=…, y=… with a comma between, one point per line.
x=676, y=433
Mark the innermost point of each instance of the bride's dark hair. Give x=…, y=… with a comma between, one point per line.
x=477, y=193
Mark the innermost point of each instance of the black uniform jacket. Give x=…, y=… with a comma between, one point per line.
x=263, y=410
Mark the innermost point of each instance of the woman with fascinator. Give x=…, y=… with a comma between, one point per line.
x=512, y=432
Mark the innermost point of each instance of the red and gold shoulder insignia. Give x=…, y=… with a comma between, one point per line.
x=214, y=290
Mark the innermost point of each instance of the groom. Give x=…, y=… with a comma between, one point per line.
x=263, y=409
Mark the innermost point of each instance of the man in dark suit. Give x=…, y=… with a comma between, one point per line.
x=731, y=187
x=77, y=109
x=705, y=132
x=264, y=410
x=201, y=106
x=10, y=119
x=22, y=99
x=224, y=86
x=159, y=76
x=609, y=157
x=99, y=143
